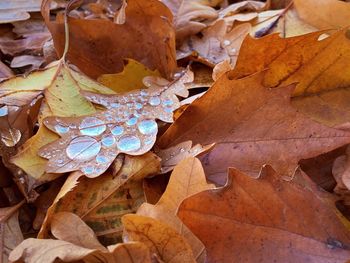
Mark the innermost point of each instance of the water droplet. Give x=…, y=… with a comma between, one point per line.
x=4, y=111
x=132, y=121
x=108, y=140
x=115, y=105
x=177, y=75
x=148, y=127
x=233, y=50
x=226, y=42
x=154, y=101
x=143, y=93
x=117, y=130
x=83, y=148
x=167, y=102
x=92, y=126
x=167, y=109
x=88, y=170
x=138, y=105
x=149, y=140
x=129, y=143
x=102, y=159
x=182, y=150
x=59, y=128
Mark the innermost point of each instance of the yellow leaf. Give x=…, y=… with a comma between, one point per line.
x=160, y=238
x=187, y=179
x=130, y=79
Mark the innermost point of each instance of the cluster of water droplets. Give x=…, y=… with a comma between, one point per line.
x=128, y=125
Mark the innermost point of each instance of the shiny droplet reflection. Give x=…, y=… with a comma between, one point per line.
x=92, y=126
x=154, y=101
x=11, y=137
x=129, y=143
x=102, y=159
x=61, y=129
x=108, y=141
x=148, y=127
x=167, y=102
x=88, y=170
x=117, y=130
x=83, y=148
x=131, y=121
x=4, y=111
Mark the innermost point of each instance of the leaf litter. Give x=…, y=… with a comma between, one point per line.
x=99, y=143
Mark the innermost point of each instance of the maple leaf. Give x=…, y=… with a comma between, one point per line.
x=70, y=247
x=96, y=45
x=267, y=220
x=257, y=126
x=91, y=143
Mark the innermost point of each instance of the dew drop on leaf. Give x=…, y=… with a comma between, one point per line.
x=11, y=137
x=3, y=111
x=108, y=141
x=154, y=101
x=83, y=148
x=92, y=126
x=132, y=121
x=129, y=143
x=117, y=130
x=148, y=127
x=102, y=159
x=167, y=102
x=88, y=170
x=61, y=129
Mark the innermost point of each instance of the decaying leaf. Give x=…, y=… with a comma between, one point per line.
x=98, y=46
x=187, y=179
x=128, y=125
x=267, y=220
x=102, y=201
x=341, y=172
x=217, y=43
x=10, y=231
x=70, y=247
x=161, y=239
x=189, y=14
x=317, y=66
x=257, y=126
x=128, y=80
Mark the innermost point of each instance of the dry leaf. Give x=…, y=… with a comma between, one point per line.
x=128, y=80
x=96, y=45
x=187, y=179
x=72, y=248
x=257, y=126
x=324, y=14
x=267, y=220
x=128, y=125
x=341, y=172
x=102, y=201
x=10, y=232
x=217, y=43
x=317, y=66
x=160, y=238
x=189, y=16
x=174, y=155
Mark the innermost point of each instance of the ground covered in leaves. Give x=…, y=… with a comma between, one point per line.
x=175, y=131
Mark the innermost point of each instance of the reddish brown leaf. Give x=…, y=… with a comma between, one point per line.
x=267, y=220
x=252, y=126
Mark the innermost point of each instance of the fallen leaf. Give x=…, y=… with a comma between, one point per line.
x=5, y=72
x=27, y=60
x=324, y=14
x=174, y=155
x=267, y=220
x=257, y=126
x=10, y=232
x=102, y=201
x=128, y=80
x=160, y=238
x=217, y=43
x=189, y=16
x=187, y=179
x=316, y=65
x=72, y=248
x=96, y=45
x=129, y=123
